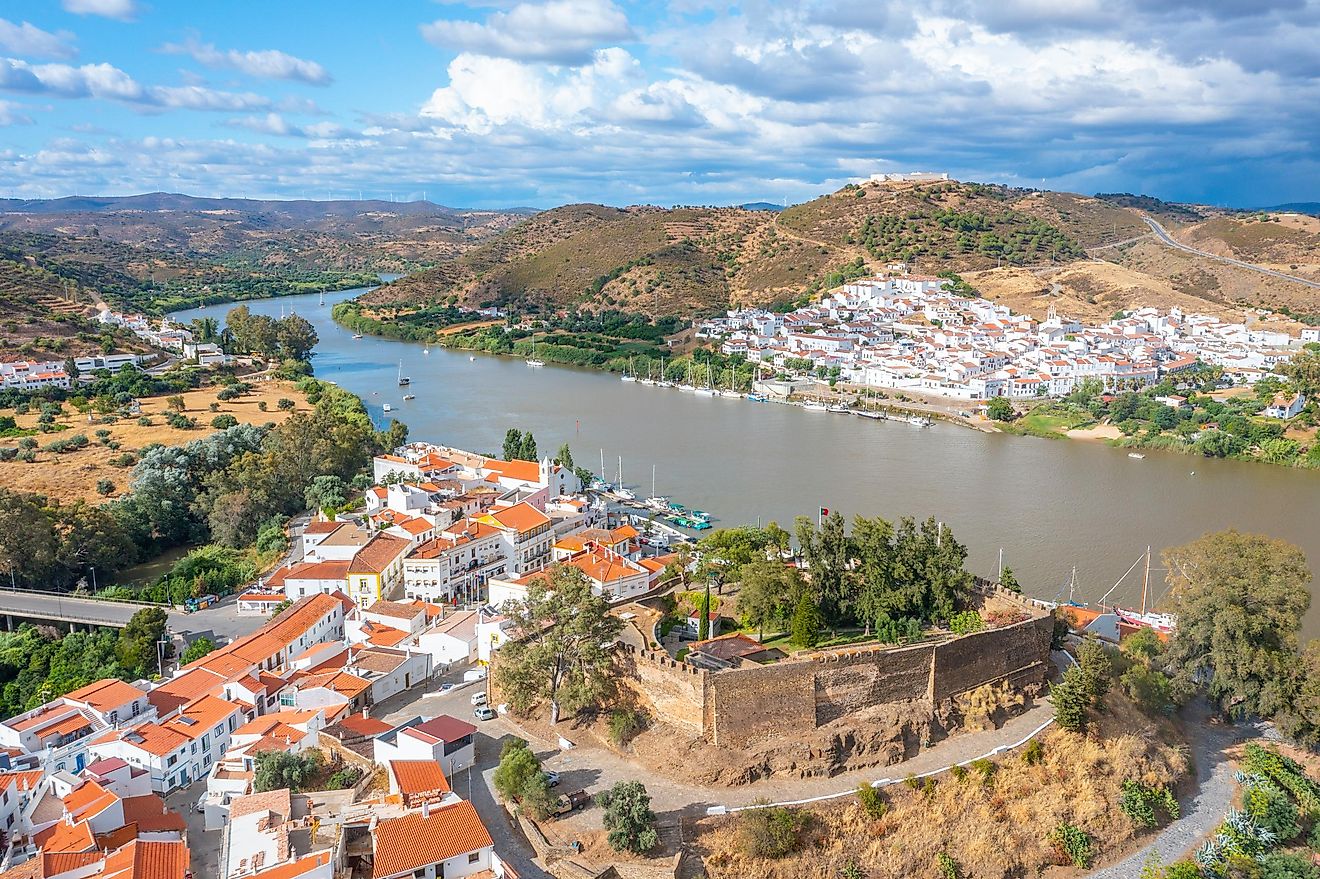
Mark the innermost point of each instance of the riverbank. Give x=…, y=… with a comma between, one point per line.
x=257, y=289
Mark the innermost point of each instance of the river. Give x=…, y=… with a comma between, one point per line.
x=1049, y=504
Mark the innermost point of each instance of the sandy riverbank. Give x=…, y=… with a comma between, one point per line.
x=1099, y=432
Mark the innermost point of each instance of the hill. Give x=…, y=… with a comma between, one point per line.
x=368, y=235
x=675, y=261
x=1296, y=207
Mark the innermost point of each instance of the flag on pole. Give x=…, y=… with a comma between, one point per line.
x=824, y=511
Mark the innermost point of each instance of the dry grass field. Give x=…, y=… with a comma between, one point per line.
x=70, y=476
x=997, y=828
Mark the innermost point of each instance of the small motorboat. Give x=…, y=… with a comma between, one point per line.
x=410, y=396
x=1137, y=455
x=357, y=335
x=387, y=408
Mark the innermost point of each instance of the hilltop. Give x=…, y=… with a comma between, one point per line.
x=344, y=235
x=678, y=261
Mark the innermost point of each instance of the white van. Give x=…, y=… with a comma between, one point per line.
x=479, y=698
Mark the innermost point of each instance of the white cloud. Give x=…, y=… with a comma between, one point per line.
x=559, y=31
x=107, y=82
x=262, y=63
x=123, y=10
x=274, y=123
x=30, y=40
x=12, y=114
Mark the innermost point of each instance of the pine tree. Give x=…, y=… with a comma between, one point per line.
x=807, y=621
x=1071, y=699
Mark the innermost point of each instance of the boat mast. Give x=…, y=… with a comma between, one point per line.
x=1145, y=584
x=652, y=480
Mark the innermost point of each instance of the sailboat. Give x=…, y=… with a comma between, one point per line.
x=1160, y=622
x=688, y=386
x=629, y=375
x=532, y=361
x=322, y=299
x=706, y=390
x=403, y=379
x=729, y=391
x=655, y=501
x=620, y=490
x=650, y=365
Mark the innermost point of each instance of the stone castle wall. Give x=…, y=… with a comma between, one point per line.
x=739, y=707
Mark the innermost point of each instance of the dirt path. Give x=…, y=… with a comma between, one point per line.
x=1204, y=810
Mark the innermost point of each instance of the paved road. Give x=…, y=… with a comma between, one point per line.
x=1205, y=809
x=1167, y=239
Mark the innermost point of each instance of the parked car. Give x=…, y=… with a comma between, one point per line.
x=551, y=778
x=446, y=686
x=479, y=698
x=570, y=801
x=485, y=712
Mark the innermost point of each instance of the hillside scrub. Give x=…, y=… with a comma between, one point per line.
x=995, y=824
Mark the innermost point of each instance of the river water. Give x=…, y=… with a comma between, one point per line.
x=1049, y=504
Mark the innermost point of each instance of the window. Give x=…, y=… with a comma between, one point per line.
x=473, y=857
x=170, y=761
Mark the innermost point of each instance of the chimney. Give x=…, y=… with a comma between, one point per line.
x=365, y=714
x=426, y=808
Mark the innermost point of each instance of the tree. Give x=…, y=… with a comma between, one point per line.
x=563, y=656
x=277, y=770
x=325, y=492
x=1303, y=370
x=527, y=450
x=1008, y=580
x=828, y=553
x=1097, y=670
x=565, y=457
x=280, y=608
x=520, y=779
x=767, y=592
x=512, y=443
x=1239, y=599
x=27, y=536
x=1071, y=700
x=220, y=422
x=176, y=403
x=296, y=336
x=198, y=648
x=138, y=651
x=808, y=622
x=999, y=409
x=628, y=817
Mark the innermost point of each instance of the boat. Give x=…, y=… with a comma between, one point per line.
x=867, y=413
x=403, y=379
x=629, y=375
x=731, y=394
x=837, y=407
x=815, y=407
x=426, y=350
x=472, y=358
x=705, y=390
x=533, y=361
x=357, y=335
x=625, y=494
x=699, y=515
x=387, y=408
x=757, y=398
x=410, y=396
x=1137, y=455
x=322, y=299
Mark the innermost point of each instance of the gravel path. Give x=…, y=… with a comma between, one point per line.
x=1204, y=811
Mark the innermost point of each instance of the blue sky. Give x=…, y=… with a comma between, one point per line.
x=692, y=102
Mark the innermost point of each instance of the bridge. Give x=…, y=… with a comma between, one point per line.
x=220, y=620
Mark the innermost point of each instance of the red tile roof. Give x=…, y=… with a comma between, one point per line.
x=405, y=844
x=418, y=777
x=106, y=694
x=446, y=728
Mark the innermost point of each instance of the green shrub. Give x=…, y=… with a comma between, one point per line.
x=958, y=772
x=1271, y=807
x=1139, y=801
x=1072, y=845
x=104, y=487
x=872, y=801
x=984, y=767
x=625, y=724
x=770, y=831
x=965, y=622
x=1034, y=752
x=144, y=421
x=344, y=778
x=221, y=422
x=284, y=403
x=1287, y=865
x=1287, y=774
x=946, y=865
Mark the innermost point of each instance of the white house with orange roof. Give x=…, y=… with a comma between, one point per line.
x=56, y=735
x=527, y=536
x=614, y=576
x=177, y=751
x=301, y=579
x=444, y=842
x=455, y=563
x=377, y=569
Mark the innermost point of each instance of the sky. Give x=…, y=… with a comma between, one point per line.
x=546, y=102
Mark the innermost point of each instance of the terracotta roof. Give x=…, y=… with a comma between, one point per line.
x=381, y=660
x=324, y=526
x=147, y=860
x=405, y=844
x=379, y=554
x=278, y=801
x=65, y=837
x=294, y=869
x=526, y=471
x=521, y=517
x=364, y=726
x=446, y=728
x=384, y=636
x=151, y=815
x=88, y=799
x=334, y=570
x=419, y=777
x=105, y=694
x=400, y=610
